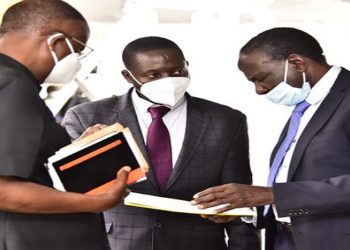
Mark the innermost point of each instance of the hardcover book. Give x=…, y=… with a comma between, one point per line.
x=90, y=165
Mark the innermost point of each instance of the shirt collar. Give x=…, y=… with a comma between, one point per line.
x=20, y=67
x=321, y=89
x=142, y=105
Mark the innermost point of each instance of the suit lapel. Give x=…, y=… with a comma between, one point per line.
x=319, y=119
x=196, y=125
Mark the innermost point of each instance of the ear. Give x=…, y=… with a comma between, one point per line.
x=298, y=62
x=127, y=76
x=53, y=39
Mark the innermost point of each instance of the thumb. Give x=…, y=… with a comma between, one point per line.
x=123, y=174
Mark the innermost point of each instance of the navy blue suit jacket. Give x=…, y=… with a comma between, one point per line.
x=317, y=194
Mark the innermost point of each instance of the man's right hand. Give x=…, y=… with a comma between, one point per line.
x=91, y=130
x=118, y=189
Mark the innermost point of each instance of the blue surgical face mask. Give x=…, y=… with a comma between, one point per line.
x=285, y=94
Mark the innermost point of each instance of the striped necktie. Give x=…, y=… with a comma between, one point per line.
x=285, y=145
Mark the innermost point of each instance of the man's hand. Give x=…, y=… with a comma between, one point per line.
x=118, y=189
x=236, y=195
x=91, y=130
x=220, y=218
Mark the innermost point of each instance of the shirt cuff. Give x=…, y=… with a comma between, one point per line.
x=251, y=220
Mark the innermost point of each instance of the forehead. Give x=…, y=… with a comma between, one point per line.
x=159, y=59
x=76, y=29
x=256, y=62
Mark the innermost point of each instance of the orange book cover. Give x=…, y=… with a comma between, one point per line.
x=89, y=165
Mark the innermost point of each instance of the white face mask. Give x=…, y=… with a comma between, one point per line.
x=167, y=91
x=64, y=70
x=284, y=94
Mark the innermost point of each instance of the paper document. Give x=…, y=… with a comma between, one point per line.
x=179, y=206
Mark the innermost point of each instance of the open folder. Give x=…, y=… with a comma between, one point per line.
x=90, y=165
x=180, y=206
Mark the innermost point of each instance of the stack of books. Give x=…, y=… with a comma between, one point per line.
x=90, y=165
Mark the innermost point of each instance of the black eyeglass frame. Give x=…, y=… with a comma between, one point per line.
x=82, y=54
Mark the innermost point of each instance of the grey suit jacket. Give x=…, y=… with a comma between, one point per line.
x=317, y=194
x=214, y=151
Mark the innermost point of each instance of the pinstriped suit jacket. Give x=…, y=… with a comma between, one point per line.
x=215, y=151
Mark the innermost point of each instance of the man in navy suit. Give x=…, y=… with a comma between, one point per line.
x=209, y=144
x=310, y=194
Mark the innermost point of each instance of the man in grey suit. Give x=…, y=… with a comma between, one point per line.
x=310, y=192
x=209, y=146
x=42, y=41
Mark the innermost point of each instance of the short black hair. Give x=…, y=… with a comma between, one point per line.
x=279, y=43
x=146, y=44
x=38, y=15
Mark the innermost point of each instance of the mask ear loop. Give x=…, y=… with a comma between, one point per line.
x=285, y=71
x=133, y=77
x=49, y=41
x=70, y=46
x=304, y=78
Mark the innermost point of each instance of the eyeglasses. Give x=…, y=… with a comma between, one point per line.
x=84, y=52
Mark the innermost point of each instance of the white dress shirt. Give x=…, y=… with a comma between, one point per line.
x=175, y=121
x=318, y=93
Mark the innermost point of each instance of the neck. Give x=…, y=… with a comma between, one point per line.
x=317, y=72
x=14, y=46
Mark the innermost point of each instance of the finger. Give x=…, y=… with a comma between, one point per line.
x=223, y=219
x=203, y=205
x=123, y=174
x=209, y=197
x=209, y=191
x=210, y=200
x=99, y=126
x=93, y=129
x=224, y=209
x=217, y=219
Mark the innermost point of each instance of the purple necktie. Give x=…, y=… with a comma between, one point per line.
x=158, y=146
x=285, y=145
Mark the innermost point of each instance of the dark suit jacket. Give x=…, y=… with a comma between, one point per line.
x=214, y=151
x=317, y=194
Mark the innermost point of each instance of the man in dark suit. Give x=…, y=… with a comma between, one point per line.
x=209, y=146
x=310, y=192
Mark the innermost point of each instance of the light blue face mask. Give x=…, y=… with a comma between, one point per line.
x=284, y=94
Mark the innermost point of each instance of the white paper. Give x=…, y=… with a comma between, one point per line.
x=180, y=206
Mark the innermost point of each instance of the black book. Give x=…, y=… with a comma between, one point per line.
x=90, y=165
